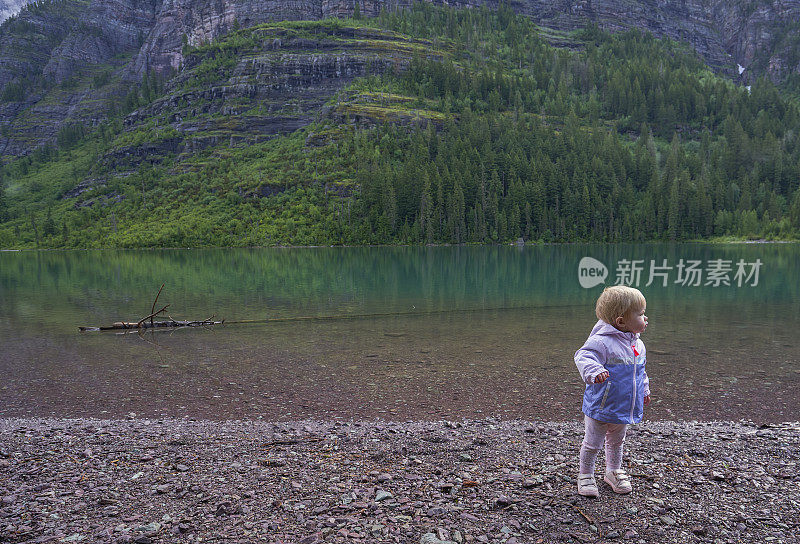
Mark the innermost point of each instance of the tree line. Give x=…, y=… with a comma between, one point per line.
x=633, y=139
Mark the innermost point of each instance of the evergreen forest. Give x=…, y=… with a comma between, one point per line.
x=497, y=131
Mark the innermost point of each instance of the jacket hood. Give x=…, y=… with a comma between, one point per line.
x=601, y=328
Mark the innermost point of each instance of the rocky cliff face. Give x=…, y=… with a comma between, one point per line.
x=195, y=22
x=9, y=8
x=56, y=60
x=762, y=37
x=724, y=32
x=65, y=44
x=275, y=86
x=109, y=28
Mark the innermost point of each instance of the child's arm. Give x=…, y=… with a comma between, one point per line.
x=588, y=360
x=646, y=380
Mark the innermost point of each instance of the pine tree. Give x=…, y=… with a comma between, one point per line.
x=514, y=222
x=3, y=203
x=426, y=220
x=456, y=221
x=794, y=211
x=390, y=205
x=439, y=216
x=49, y=227
x=480, y=227
x=529, y=227
x=34, y=227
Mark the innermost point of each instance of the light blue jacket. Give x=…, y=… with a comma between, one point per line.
x=619, y=399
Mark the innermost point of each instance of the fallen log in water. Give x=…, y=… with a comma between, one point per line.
x=122, y=325
x=143, y=323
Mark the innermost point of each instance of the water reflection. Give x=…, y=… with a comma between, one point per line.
x=507, y=350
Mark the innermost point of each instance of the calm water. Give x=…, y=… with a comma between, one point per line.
x=473, y=331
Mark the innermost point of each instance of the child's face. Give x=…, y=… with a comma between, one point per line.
x=634, y=321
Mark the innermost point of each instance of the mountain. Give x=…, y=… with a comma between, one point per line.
x=71, y=61
x=429, y=124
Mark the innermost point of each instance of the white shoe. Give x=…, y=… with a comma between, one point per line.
x=619, y=480
x=587, y=486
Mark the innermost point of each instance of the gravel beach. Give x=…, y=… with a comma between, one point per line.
x=182, y=480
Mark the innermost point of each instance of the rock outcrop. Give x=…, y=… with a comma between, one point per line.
x=725, y=33
x=63, y=62
x=762, y=37
x=276, y=86
x=9, y=8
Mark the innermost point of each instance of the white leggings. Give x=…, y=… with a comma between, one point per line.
x=595, y=433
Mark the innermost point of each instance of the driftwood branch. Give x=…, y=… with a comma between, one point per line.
x=150, y=317
x=153, y=309
x=143, y=323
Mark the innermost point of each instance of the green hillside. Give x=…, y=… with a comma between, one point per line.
x=481, y=131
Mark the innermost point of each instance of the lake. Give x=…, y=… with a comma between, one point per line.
x=411, y=333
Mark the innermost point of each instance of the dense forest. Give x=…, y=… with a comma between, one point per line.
x=512, y=132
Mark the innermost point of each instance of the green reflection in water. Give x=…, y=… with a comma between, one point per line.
x=257, y=283
x=511, y=356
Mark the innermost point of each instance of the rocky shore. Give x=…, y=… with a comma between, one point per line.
x=167, y=480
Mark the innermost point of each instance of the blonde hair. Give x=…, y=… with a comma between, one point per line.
x=616, y=300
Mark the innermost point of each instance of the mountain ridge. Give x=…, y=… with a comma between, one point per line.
x=429, y=125
x=122, y=40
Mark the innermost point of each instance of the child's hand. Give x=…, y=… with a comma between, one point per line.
x=600, y=378
x=646, y=400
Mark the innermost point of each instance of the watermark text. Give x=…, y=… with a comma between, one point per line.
x=660, y=272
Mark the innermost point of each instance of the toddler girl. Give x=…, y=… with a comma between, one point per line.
x=611, y=363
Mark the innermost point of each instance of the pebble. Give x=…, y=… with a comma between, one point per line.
x=532, y=482
x=699, y=530
x=381, y=481
x=382, y=496
x=431, y=538
x=153, y=527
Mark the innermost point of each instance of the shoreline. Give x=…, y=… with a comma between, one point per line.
x=312, y=481
x=761, y=241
